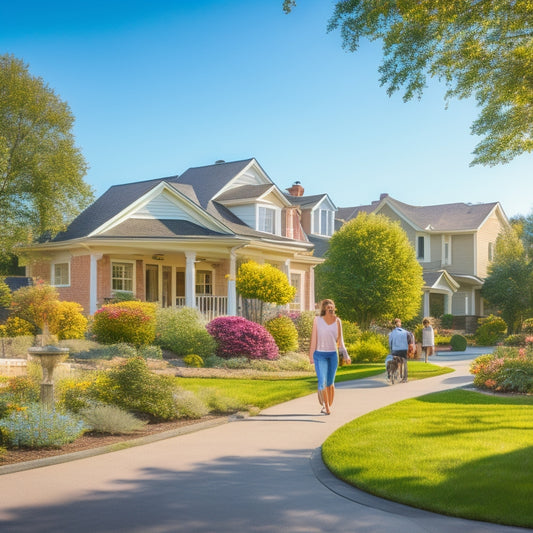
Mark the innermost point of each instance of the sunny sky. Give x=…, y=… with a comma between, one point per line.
x=160, y=86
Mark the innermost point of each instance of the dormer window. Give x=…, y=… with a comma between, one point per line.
x=323, y=222
x=267, y=220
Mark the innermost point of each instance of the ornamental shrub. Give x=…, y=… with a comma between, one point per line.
x=351, y=332
x=17, y=392
x=182, y=331
x=303, y=321
x=5, y=294
x=74, y=394
x=264, y=282
x=129, y=322
x=110, y=419
x=193, y=361
x=506, y=370
x=236, y=336
x=40, y=427
x=518, y=339
x=527, y=326
x=446, y=321
x=18, y=327
x=458, y=343
x=133, y=387
x=284, y=332
x=491, y=330
x=35, y=304
x=369, y=350
x=67, y=321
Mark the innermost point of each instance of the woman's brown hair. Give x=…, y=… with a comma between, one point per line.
x=323, y=305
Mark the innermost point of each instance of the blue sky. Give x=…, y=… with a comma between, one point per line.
x=158, y=87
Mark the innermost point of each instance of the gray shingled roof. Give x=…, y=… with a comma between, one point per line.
x=446, y=217
x=443, y=217
x=321, y=245
x=305, y=201
x=245, y=192
x=208, y=180
x=112, y=202
x=157, y=228
x=347, y=213
x=198, y=184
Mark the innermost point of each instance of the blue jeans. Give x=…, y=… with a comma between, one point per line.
x=326, y=364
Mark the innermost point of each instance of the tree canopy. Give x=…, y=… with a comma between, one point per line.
x=41, y=169
x=509, y=283
x=480, y=48
x=371, y=271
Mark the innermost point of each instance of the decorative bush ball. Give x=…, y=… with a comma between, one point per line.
x=130, y=322
x=458, y=343
x=284, y=332
x=235, y=336
x=193, y=361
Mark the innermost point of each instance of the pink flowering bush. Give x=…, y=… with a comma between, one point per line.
x=508, y=369
x=236, y=336
x=129, y=322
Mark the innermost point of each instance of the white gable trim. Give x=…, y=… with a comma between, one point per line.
x=140, y=209
x=399, y=213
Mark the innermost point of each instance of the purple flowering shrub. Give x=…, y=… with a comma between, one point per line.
x=236, y=336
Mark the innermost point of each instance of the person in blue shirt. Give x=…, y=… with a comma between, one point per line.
x=399, y=341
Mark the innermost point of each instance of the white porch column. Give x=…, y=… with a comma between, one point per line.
x=232, y=291
x=448, y=303
x=93, y=282
x=311, y=289
x=425, y=305
x=190, y=279
x=473, y=306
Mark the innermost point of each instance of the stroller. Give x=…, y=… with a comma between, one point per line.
x=394, y=365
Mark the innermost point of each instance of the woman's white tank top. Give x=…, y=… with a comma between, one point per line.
x=327, y=334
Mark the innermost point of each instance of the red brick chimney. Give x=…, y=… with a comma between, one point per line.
x=296, y=189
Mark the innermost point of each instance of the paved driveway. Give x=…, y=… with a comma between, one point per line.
x=260, y=474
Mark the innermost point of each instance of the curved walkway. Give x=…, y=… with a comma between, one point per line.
x=259, y=474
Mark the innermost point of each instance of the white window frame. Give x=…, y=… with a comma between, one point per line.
x=426, y=258
x=491, y=251
x=262, y=211
x=133, y=280
x=298, y=303
x=204, y=284
x=323, y=222
x=447, y=240
x=54, y=274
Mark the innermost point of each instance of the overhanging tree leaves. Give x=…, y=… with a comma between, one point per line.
x=371, y=271
x=41, y=169
x=480, y=48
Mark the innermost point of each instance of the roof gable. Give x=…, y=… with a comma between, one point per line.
x=164, y=202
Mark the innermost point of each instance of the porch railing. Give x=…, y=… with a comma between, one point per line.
x=209, y=306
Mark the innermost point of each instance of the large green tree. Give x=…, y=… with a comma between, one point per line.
x=41, y=169
x=509, y=282
x=371, y=271
x=480, y=48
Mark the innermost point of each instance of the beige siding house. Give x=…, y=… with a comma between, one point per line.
x=454, y=243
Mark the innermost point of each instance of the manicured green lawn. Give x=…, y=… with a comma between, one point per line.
x=458, y=452
x=268, y=391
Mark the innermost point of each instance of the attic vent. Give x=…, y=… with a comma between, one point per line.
x=219, y=162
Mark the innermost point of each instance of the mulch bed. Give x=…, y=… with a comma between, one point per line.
x=92, y=440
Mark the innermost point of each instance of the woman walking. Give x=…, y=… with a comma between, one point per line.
x=326, y=339
x=428, y=339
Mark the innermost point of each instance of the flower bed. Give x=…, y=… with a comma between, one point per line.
x=508, y=369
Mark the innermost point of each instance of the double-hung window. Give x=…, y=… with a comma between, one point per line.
x=122, y=276
x=323, y=223
x=267, y=220
x=61, y=274
x=204, y=282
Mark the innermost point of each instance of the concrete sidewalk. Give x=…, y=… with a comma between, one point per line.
x=260, y=474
